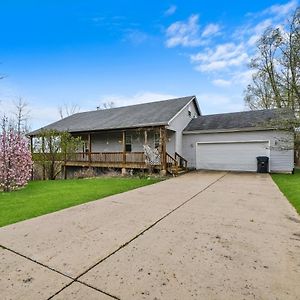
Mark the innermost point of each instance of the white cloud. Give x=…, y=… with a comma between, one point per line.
x=184, y=34
x=187, y=33
x=38, y=115
x=258, y=30
x=282, y=10
x=221, y=82
x=243, y=77
x=136, y=37
x=218, y=103
x=171, y=10
x=210, y=30
x=222, y=56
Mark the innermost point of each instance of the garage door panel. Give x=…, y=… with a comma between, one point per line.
x=230, y=156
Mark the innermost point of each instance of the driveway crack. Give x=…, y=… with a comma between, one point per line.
x=77, y=278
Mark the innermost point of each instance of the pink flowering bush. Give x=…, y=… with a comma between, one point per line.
x=15, y=159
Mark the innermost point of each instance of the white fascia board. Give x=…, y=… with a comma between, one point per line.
x=228, y=130
x=194, y=98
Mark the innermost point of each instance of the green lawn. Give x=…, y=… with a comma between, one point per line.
x=290, y=186
x=42, y=197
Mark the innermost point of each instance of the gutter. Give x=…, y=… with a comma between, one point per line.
x=248, y=129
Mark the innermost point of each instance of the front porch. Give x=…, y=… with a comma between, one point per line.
x=129, y=160
x=125, y=149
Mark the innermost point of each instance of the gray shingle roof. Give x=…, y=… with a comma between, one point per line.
x=140, y=115
x=238, y=120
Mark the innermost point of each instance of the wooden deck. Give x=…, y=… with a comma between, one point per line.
x=127, y=160
x=130, y=160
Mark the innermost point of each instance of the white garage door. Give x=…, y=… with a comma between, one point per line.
x=232, y=156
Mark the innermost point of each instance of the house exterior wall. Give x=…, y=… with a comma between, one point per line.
x=107, y=142
x=281, y=152
x=179, y=123
x=171, y=142
x=113, y=141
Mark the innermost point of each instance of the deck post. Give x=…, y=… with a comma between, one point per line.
x=124, y=152
x=43, y=151
x=65, y=171
x=146, y=137
x=90, y=150
x=162, y=138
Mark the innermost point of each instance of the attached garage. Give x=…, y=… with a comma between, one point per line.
x=233, y=156
x=233, y=141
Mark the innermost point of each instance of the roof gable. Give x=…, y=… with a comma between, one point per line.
x=139, y=115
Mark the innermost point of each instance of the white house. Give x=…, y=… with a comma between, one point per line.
x=183, y=137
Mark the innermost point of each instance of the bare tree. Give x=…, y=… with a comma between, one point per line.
x=106, y=105
x=276, y=83
x=22, y=115
x=68, y=110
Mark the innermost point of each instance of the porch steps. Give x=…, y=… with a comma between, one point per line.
x=178, y=171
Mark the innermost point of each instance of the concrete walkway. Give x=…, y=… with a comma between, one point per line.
x=203, y=235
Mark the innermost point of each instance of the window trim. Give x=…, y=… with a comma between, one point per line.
x=156, y=140
x=128, y=143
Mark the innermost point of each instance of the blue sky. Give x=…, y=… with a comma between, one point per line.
x=89, y=52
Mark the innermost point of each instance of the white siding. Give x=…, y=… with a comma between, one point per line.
x=231, y=156
x=106, y=142
x=179, y=123
x=171, y=140
x=112, y=142
x=281, y=160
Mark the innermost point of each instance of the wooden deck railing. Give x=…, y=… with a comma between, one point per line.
x=108, y=157
x=172, y=165
x=97, y=157
x=114, y=160
x=182, y=162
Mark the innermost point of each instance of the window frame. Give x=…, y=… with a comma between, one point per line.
x=156, y=140
x=128, y=143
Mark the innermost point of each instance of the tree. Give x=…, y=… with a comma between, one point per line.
x=106, y=105
x=276, y=81
x=52, y=148
x=15, y=158
x=67, y=110
x=21, y=116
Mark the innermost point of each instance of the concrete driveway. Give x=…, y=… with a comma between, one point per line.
x=203, y=235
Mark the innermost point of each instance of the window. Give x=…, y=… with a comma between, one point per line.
x=156, y=140
x=189, y=112
x=128, y=143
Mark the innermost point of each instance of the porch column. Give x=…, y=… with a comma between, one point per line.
x=90, y=148
x=162, y=138
x=43, y=151
x=146, y=137
x=124, y=152
x=31, y=145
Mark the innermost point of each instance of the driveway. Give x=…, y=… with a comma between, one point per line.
x=203, y=235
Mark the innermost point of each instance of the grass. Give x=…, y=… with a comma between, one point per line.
x=42, y=197
x=290, y=186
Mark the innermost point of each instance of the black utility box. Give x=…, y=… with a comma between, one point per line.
x=262, y=164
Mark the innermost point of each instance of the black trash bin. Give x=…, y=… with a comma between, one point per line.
x=262, y=164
